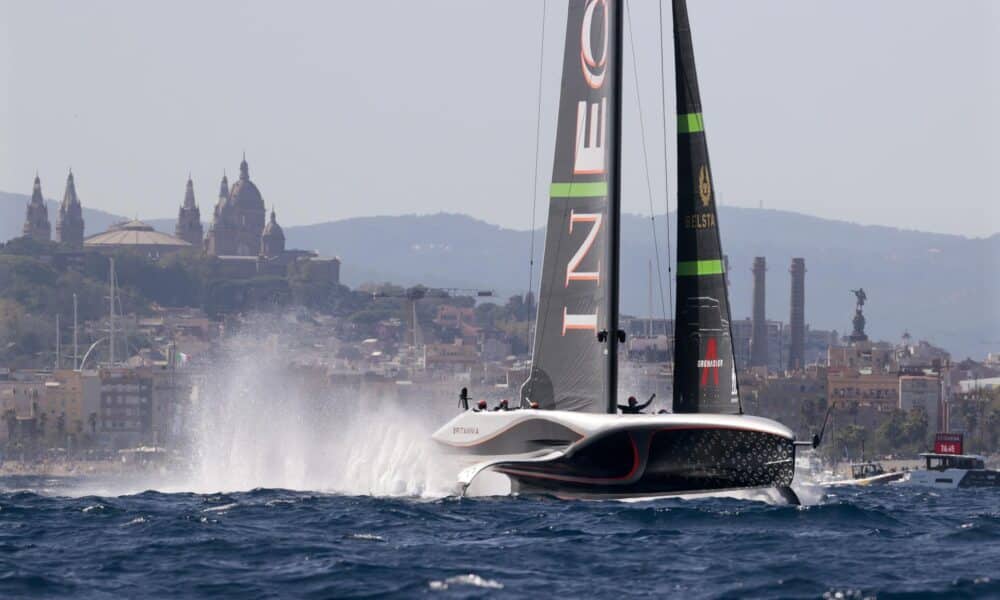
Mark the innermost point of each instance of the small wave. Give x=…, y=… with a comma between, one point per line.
x=280, y=502
x=471, y=580
x=845, y=595
x=368, y=537
x=94, y=508
x=222, y=508
x=137, y=521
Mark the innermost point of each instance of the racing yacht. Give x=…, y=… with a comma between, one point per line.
x=566, y=438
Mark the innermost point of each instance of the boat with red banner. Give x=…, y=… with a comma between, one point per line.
x=948, y=467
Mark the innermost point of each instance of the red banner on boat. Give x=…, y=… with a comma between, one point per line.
x=948, y=443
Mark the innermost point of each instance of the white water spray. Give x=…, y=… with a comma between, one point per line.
x=260, y=423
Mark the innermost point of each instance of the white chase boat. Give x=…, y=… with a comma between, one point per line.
x=948, y=467
x=566, y=439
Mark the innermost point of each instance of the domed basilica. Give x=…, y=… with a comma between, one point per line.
x=238, y=223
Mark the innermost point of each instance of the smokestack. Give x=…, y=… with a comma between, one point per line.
x=797, y=319
x=758, y=338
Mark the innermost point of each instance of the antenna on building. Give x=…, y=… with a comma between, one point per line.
x=58, y=345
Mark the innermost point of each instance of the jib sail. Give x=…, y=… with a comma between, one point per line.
x=704, y=371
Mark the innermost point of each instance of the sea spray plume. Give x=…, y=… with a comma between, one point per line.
x=259, y=422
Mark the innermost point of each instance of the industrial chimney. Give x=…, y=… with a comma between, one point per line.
x=797, y=318
x=758, y=337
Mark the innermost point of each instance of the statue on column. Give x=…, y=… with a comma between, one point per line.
x=859, y=318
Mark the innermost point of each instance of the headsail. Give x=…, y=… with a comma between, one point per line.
x=570, y=369
x=704, y=373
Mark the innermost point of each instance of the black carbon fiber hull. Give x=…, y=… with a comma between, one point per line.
x=660, y=462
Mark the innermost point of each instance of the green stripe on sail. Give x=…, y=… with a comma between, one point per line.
x=690, y=123
x=699, y=267
x=579, y=190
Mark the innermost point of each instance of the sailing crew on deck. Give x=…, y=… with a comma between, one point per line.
x=480, y=406
x=502, y=406
x=633, y=407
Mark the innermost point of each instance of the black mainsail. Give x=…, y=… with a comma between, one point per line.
x=704, y=373
x=578, y=297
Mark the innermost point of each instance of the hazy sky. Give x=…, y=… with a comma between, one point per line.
x=876, y=111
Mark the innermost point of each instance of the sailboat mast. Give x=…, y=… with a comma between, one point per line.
x=615, y=207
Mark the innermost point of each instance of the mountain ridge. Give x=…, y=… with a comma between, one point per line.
x=934, y=285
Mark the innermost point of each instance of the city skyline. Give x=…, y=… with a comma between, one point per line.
x=325, y=115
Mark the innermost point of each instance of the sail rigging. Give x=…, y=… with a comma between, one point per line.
x=704, y=370
x=578, y=297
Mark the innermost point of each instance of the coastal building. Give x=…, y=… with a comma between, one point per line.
x=71, y=405
x=36, y=219
x=125, y=417
x=19, y=403
x=874, y=357
x=137, y=237
x=239, y=218
x=636, y=326
x=877, y=390
x=657, y=348
x=49, y=409
x=451, y=358
x=69, y=227
x=453, y=317
x=189, y=226
x=924, y=392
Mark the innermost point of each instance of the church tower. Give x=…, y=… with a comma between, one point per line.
x=218, y=241
x=272, y=240
x=36, y=221
x=189, y=218
x=69, y=228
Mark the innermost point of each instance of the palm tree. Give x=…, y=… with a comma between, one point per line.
x=10, y=418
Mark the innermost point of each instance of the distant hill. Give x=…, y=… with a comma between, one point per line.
x=943, y=288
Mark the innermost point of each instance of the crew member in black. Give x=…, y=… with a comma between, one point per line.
x=502, y=406
x=480, y=406
x=633, y=407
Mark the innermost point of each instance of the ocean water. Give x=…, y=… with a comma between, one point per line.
x=286, y=492
x=56, y=539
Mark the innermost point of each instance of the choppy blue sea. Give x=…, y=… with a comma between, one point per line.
x=888, y=542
